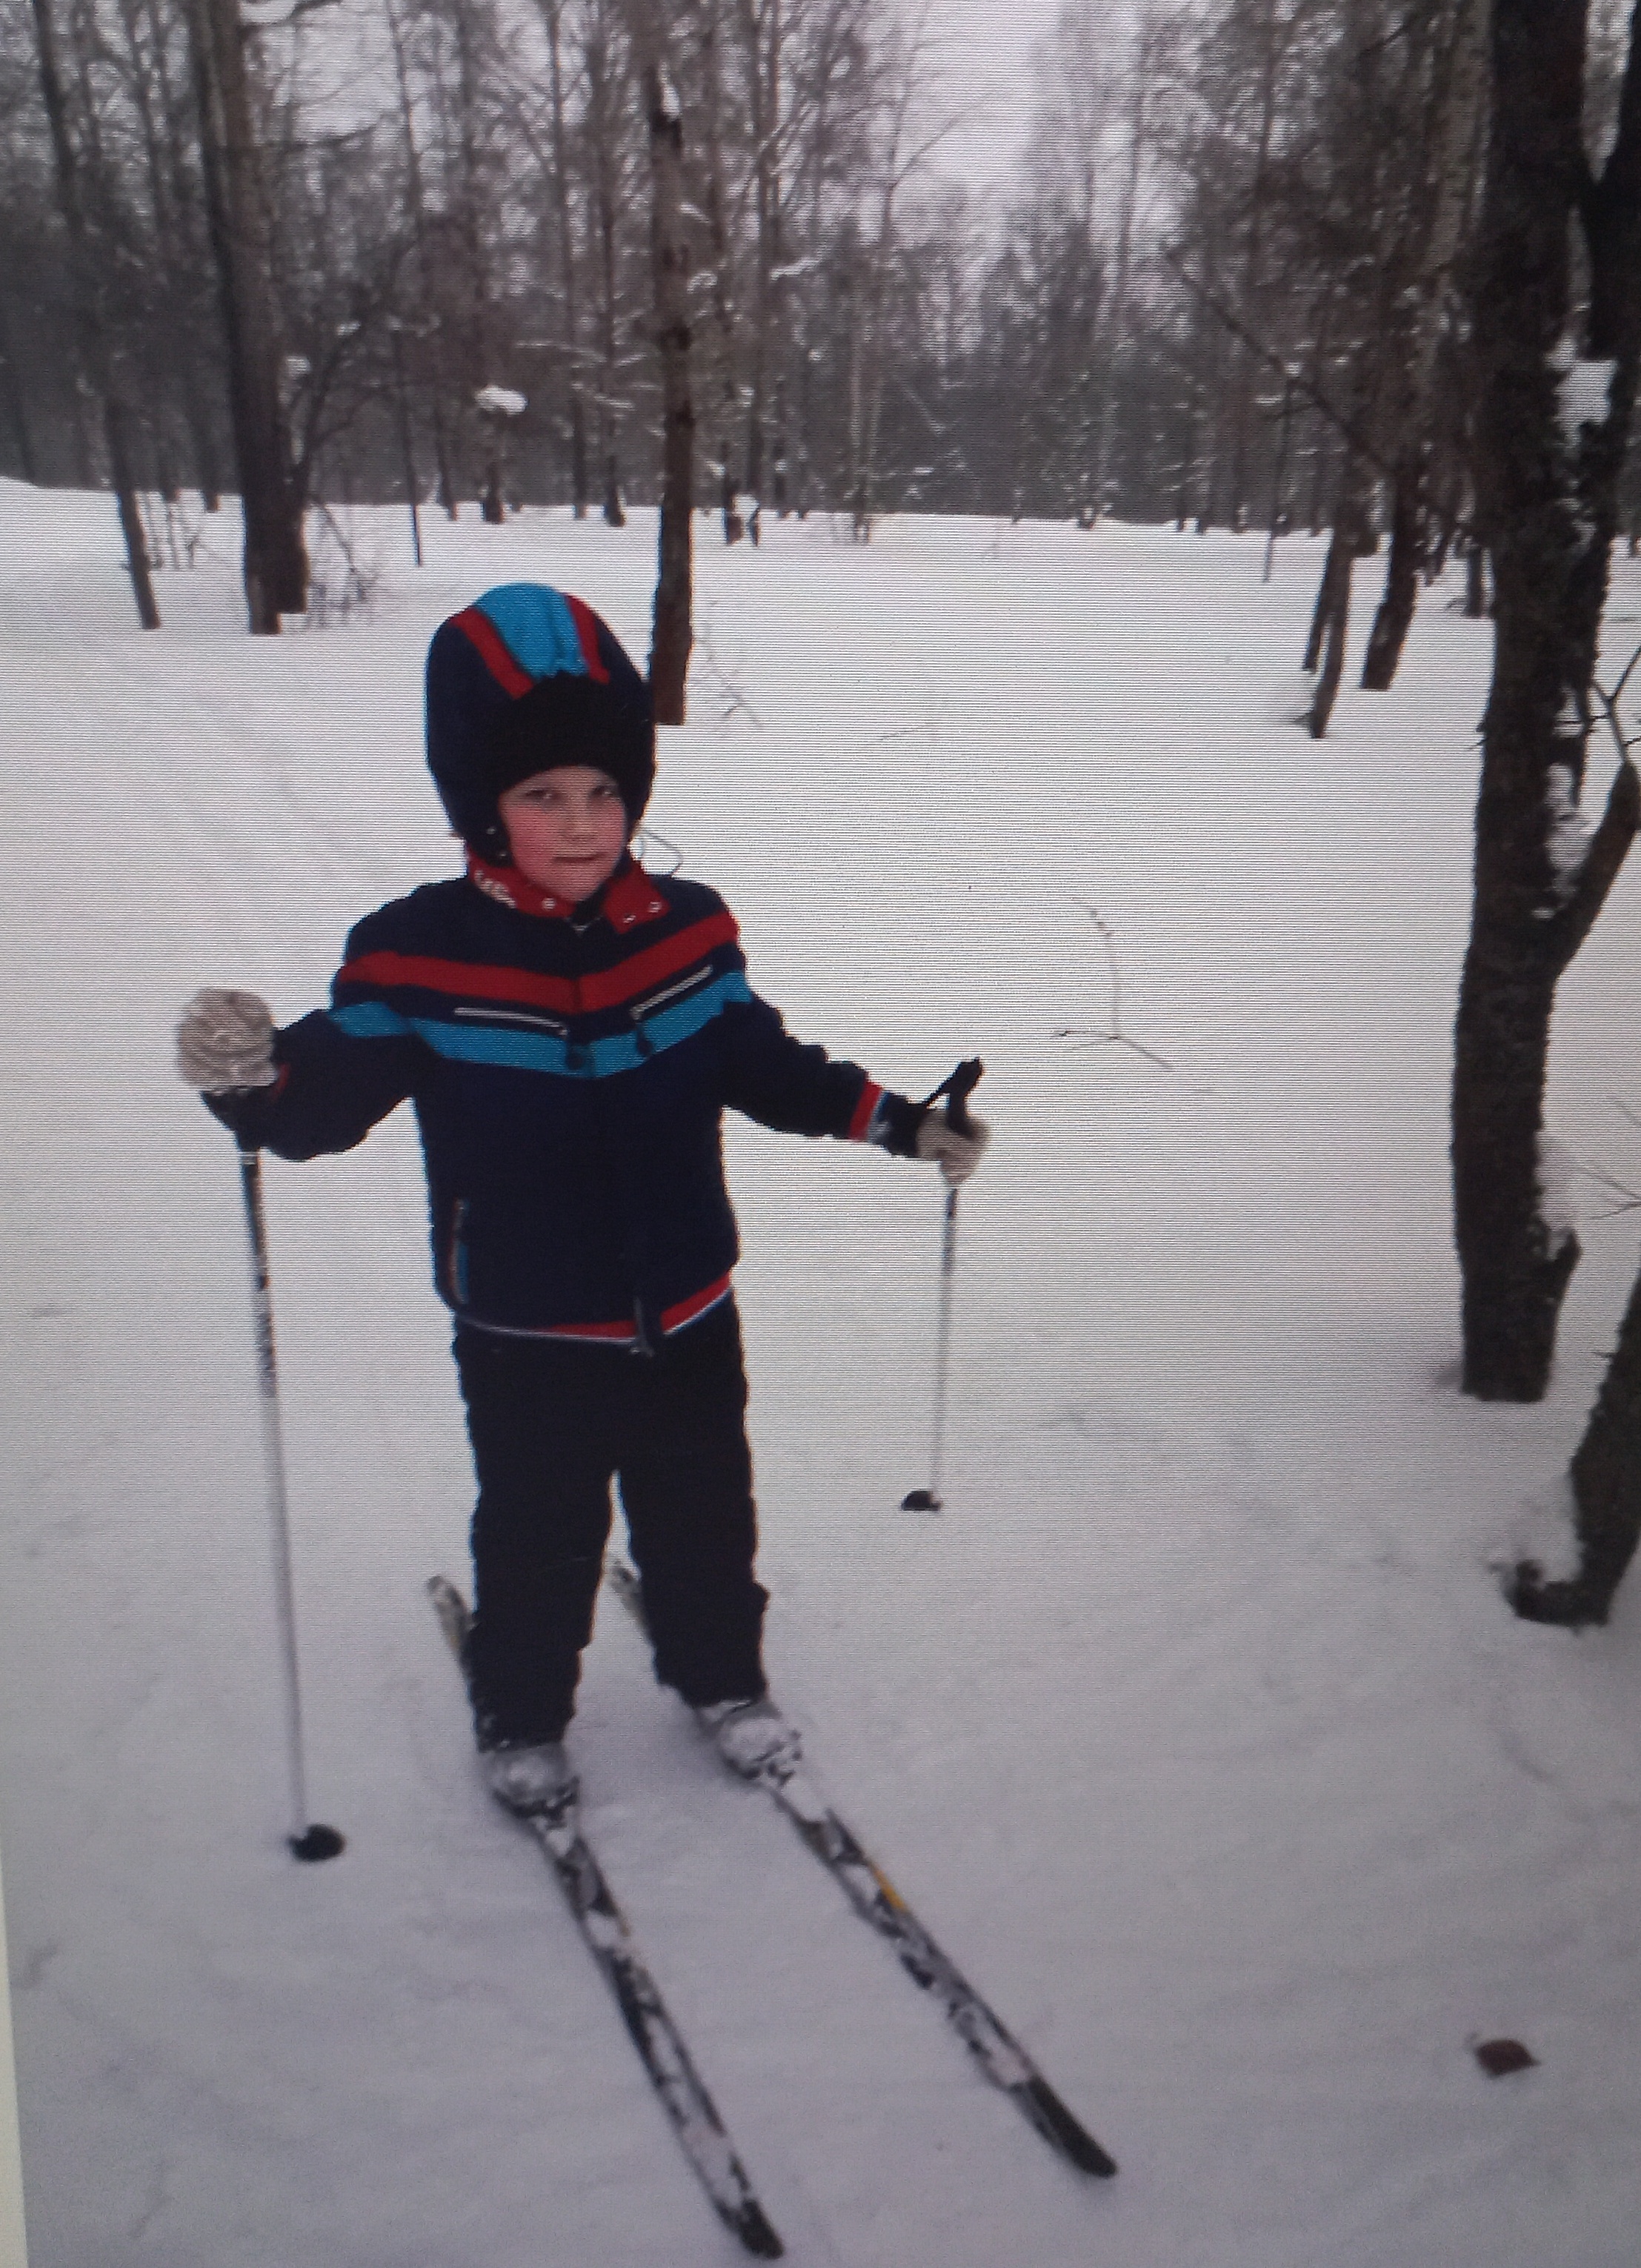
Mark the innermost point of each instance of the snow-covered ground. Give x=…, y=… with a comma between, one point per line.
x=1195, y=1725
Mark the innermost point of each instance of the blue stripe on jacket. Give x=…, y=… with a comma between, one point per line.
x=517, y=1050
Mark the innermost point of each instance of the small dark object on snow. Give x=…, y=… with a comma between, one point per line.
x=921, y=1500
x=317, y=1843
x=1500, y=2058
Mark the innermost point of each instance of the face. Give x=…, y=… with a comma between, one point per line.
x=566, y=829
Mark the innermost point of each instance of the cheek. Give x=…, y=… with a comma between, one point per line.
x=532, y=832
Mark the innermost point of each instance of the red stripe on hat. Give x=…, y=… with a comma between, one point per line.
x=587, y=631
x=493, y=649
x=871, y=1095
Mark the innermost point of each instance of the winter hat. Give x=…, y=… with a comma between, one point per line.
x=524, y=679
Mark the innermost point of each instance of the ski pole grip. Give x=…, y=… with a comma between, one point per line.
x=959, y=1088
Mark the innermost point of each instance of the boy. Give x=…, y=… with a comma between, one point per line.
x=568, y=1030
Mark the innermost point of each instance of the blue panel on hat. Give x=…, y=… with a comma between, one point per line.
x=538, y=627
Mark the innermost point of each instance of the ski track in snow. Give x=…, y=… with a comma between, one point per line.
x=1195, y=1727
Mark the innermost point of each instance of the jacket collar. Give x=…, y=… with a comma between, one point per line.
x=627, y=899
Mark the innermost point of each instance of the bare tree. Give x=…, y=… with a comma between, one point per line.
x=1559, y=376
x=1450, y=151
x=669, y=248
x=275, y=566
x=97, y=348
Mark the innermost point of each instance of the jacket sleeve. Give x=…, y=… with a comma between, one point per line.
x=798, y=1089
x=341, y=1069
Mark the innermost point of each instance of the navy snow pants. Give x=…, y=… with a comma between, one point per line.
x=551, y=1423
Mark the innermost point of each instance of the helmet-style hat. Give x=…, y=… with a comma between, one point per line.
x=525, y=678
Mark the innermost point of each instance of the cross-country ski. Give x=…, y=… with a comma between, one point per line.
x=605, y=1931
x=876, y=1900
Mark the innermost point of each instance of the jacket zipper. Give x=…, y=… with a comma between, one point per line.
x=514, y=1016
x=640, y=1009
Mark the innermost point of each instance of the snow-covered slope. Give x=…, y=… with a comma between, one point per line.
x=1195, y=1725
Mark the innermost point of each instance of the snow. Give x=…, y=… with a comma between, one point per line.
x=1582, y=387
x=501, y=400
x=1570, y=835
x=1558, y=1175
x=1195, y=1727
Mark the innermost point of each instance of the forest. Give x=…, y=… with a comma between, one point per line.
x=1231, y=268
x=1364, y=267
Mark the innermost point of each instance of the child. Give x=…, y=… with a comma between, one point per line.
x=568, y=1030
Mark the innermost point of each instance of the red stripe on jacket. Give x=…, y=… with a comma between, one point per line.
x=871, y=1095
x=624, y=1334
x=564, y=996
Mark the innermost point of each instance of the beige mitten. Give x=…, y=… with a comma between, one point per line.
x=226, y=1040
x=956, y=1154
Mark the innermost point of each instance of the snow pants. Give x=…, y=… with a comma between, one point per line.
x=551, y=1423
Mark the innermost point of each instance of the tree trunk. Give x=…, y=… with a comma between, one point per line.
x=1408, y=544
x=16, y=411
x=1114, y=320
x=1330, y=622
x=445, y=479
x=673, y=634
x=1477, y=606
x=95, y=348
x=1454, y=138
x=725, y=390
x=579, y=482
x=1551, y=437
x=275, y=566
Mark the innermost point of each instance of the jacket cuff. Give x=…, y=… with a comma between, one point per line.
x=894, y=1124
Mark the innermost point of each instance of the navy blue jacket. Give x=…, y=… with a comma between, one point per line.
x=569, y=1077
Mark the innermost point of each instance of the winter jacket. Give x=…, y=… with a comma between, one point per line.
x=569, y=1076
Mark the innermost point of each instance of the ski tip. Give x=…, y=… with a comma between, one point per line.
x=317, y=1843
x=1068, y=2136
x=757, y=2235
x=921, y=1500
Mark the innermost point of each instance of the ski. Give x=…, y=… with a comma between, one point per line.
x=877, y=1901
x=656, y=2037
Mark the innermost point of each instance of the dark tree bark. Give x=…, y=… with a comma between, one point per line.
x=579, y=489
x=1450, y=157
x=415, y=194
x=673, y=634
x=17, y=410
x=725, y=391
x=1551, y=431
x=275, y=566
x=96, y=348
x=1409, y=543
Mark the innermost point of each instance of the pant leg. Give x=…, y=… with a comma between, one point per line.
x=686, y=1485
x=539, y=1418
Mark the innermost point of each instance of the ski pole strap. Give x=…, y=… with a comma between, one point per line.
x=957, y=1089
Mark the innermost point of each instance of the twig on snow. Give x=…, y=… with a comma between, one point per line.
x=728, y=691
x=1115, y=1036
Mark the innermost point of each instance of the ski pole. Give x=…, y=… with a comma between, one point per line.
x=957, y=1090
x=308, y=1839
